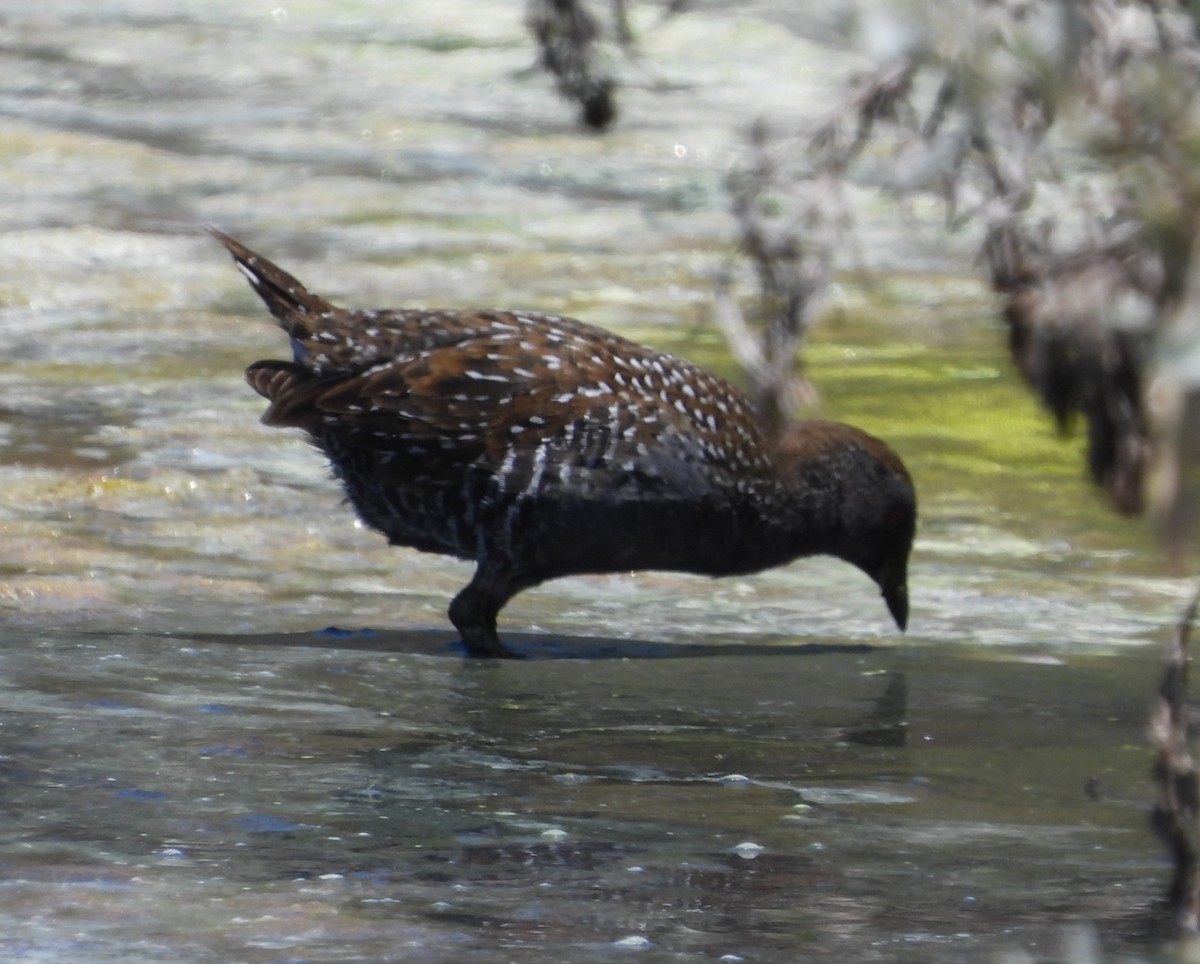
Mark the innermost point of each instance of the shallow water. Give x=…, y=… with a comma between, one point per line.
x=313, y=799
x=196, y=769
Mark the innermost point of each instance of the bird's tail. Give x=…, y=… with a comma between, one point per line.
x=297, y=309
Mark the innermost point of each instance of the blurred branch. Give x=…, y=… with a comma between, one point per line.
x=790, y=222
x=1068, y=133
x=1176, y=815
x=567, y=35
x=570, y=40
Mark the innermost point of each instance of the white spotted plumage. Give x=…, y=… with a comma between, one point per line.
x=540, y=446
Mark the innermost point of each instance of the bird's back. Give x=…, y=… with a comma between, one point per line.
x=470, y=432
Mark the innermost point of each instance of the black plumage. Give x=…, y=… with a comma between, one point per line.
x=540, y=447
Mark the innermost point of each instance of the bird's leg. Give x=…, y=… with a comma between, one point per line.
x=474, y=610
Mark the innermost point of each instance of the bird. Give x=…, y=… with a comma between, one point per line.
x=538, y=446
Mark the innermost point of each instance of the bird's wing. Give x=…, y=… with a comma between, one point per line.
x=531, y=396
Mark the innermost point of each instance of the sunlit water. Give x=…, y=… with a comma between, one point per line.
x=196, y=769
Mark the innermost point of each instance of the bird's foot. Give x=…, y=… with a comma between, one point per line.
x=482, y=645
x=496, y=651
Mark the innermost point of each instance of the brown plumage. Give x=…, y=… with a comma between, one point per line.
x=541, y=447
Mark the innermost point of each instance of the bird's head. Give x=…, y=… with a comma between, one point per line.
x=863, y=499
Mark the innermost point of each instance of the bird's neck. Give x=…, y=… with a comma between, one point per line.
x=803, y=498
x=803, y=520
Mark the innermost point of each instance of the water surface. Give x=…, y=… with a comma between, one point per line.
x=197, y=768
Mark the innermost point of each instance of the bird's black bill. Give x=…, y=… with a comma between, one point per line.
x=896, y=598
